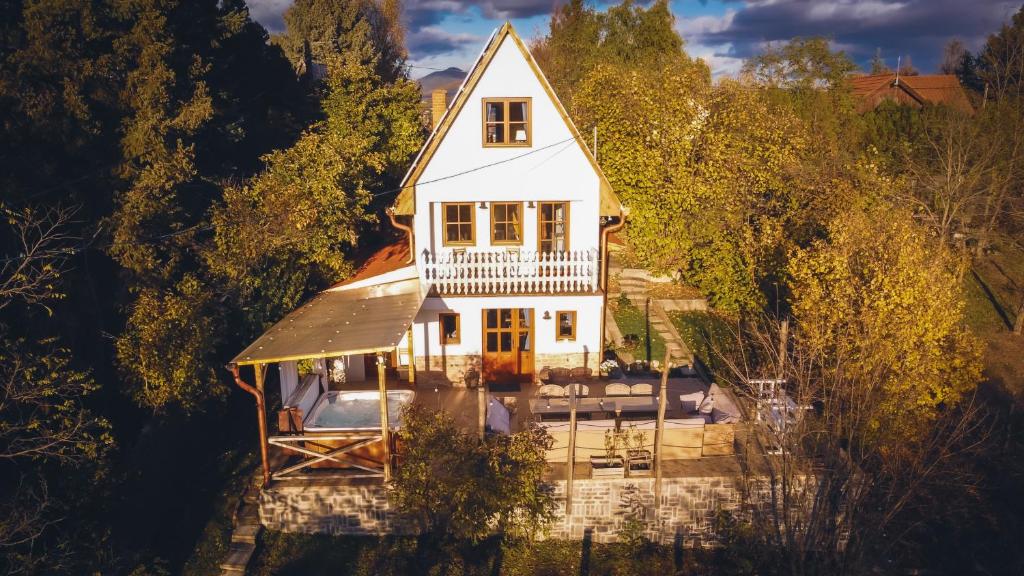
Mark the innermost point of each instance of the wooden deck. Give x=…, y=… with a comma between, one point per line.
x=465, y=405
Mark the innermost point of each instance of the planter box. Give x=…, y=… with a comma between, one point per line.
x=639, y=464
x=603, y=467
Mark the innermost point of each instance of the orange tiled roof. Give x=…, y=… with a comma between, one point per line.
x=388, y=259
x=931, y=89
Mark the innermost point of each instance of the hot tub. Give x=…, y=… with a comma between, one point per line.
x=340, y=410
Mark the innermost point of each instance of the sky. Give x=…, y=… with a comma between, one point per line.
x=443, y=33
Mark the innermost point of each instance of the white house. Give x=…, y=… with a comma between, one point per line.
x=502, y=272
x=507, y=207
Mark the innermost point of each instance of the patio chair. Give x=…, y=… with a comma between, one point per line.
x=689, y=402
x=582, y=390
x=642, y=389
x=616, y=389
x=559, y=375
x=581, y=373
x=551, y=391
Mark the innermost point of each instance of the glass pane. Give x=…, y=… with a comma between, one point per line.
x=517, y=111
x=492, y=341
x=495, y=111
x=492, y=318
x=524, y=318
x=451, y=213
x=465, y=213
x=495, y=133
x=565, y=324
x=518, y=132
x=499, y=233
x=465, y=232
x=449, y=326
x=524, y=341
x=547, y=211
x=499, y=212
x=506, y=341
x=506, y=318
x=451, y=233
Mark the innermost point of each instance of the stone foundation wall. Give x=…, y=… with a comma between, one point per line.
x=600, y=506
x=341, y=509
x=447, y=370
x=453, y=370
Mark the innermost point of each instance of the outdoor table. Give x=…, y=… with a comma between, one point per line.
x=616, y=404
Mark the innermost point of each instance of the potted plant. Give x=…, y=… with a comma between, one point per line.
x=610, y=369
x=611, y=465
x=638, y=458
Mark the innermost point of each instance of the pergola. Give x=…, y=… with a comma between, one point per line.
x=341, y=321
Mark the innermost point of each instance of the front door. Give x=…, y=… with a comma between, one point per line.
x=508, y=345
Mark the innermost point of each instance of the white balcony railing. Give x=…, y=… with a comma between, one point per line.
x=513, y=272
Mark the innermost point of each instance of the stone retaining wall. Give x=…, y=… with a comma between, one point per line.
x=600, y=506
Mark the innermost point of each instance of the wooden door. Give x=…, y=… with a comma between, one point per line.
x=507, y=345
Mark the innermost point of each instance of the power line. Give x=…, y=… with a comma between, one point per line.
x=208, y=227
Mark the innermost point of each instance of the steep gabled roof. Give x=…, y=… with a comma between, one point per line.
x=405, y=202
x=923, y=89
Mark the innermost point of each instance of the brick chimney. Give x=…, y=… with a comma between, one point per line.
x=438, y=104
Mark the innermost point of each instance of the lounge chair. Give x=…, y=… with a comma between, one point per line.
x=581, y=373
x=559, y=375
x=689, y=402
x=551, y=391
x=642, y=389
x=616, y=389
x=582, y=390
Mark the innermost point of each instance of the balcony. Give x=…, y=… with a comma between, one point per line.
x=512, y=272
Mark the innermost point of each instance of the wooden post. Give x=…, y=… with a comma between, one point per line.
x=783, y=337
x=659, y=432
x=571, y=463
x=481, y=403
x=385, y=429
x=412, y=359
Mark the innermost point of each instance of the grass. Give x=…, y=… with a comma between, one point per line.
x=633, y=320
x=707, y=334
x=992, y=293
x=301, y=554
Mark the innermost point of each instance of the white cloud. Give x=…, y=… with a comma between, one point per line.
x=852, y=10
x=695, y=31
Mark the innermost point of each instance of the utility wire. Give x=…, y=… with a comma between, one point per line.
x=208, y=227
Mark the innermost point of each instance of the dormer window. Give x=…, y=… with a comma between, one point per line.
x=507, y=122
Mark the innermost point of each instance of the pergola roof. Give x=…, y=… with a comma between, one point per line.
x=339, y=322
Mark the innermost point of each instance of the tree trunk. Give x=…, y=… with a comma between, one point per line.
x=1018, y=325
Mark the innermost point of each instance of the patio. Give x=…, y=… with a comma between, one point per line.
x=525, y=404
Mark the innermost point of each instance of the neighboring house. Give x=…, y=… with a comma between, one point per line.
x=502, y=272
x=917, y=91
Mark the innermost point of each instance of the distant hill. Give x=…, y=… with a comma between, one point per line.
x=449, y=80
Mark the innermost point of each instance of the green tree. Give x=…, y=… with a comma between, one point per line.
x=319, y=30
x=878, y=65
x=879, y=300
x=269, y=248
x=630, y=37
x=458, y=487
x=51, y=445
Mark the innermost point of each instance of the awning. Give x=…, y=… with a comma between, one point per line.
x=339, y=322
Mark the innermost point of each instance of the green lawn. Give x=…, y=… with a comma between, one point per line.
x=708, y=335
x=633, y=320
x=283, y=554
x=994, y=295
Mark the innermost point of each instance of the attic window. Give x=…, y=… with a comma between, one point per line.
x=507, y=122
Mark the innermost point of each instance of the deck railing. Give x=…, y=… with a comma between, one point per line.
x=513, y=272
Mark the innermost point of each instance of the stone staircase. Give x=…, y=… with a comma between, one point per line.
x=246, y=522
x=634, y=284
